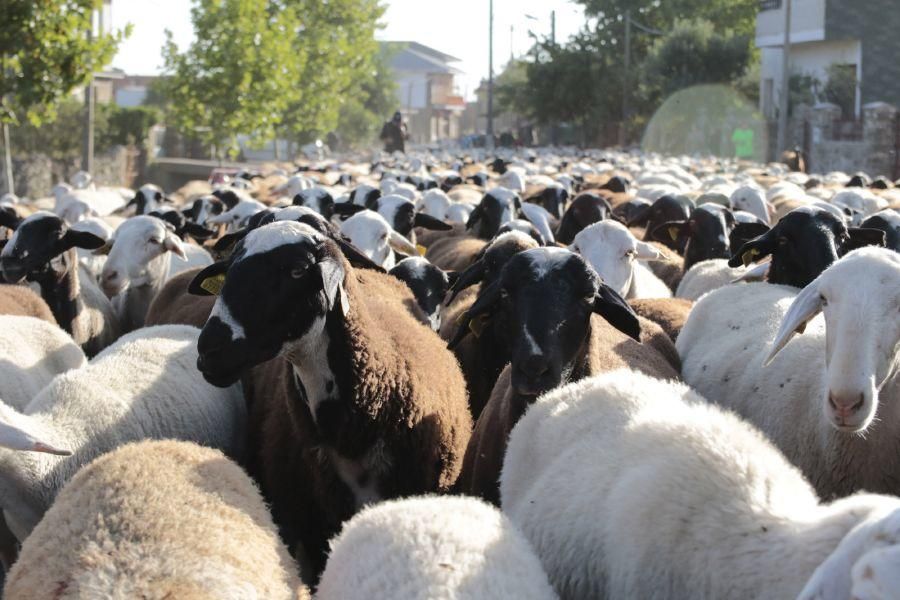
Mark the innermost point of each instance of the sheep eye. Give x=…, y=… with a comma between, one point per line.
x=823, y=299
x=298, y=273
x=156, y=241
x=630, y=253
x=782, y=241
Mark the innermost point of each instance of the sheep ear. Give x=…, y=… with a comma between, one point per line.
x=671, y=232
x=806, y=305
x=104, y=249
x=174, y=245
x=753, y=251
x=227, y=241
x=81, y=239
x=9, y=218
x=17, y=439
x=861, y=237
x=474, y=217
x=332, y=273
x=198, y=232
x=757, y=273
x=645, y=251
x=209, y=281
x=429, y=222
x=472, y=275
x=474, y=319
x=612, y=307
x=355, y=256
x=401, y=244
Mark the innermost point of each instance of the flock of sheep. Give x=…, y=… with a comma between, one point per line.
x=556, y=374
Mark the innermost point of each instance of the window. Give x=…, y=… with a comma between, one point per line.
x=769, y=4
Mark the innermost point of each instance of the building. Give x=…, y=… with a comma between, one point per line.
x=861, y=36
x=426, y=87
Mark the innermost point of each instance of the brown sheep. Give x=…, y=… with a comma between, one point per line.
x=22, y=301
x=668, y=313
x=454, y=253
x=364, y=402
x=173, y=305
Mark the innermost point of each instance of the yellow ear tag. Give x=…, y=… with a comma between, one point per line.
x=477, y=325
x=421, y=250
x=214, y=284
x=747, y=257
x=673, y=233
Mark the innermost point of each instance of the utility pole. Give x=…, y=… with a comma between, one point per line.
x=785, y=81
x=512, y=29
x=10, y=184
x=489, y=143
x=626, y=77
x=87, y=159
x=553, y=27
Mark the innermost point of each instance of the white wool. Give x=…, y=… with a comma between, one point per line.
x=459, y=212
x=706, y=276
x=582, y=478
x=730, y=333
x=432, y=547
x=372, y=234
x=541, y=219
x=33, y=352
x=611, y=249
x=238, y=216
x=751, y=199
x=146, y=385
x=435, y=203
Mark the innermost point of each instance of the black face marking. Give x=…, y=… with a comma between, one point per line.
x=228, y=197
x=663, y=210
x=484, y=221
x=428, y=283
x=802, y=245
x=273, y=296
x=586, y=209
x=887, y=221
x=541, y=307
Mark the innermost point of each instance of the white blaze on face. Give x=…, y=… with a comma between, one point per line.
x=508, y=200
x=388, y=206
x=237, y=217
x=139, y=254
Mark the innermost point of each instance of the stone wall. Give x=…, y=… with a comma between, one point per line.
x=875, y=153
x=36, y=175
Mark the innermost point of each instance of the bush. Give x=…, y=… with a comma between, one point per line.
x=840, y=88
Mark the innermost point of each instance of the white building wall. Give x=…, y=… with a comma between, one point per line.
x=807, y=23
x=412, y=90
x=811, y=58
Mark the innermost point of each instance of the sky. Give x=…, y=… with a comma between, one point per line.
x=458, y=28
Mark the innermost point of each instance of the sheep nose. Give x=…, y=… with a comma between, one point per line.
x=845, y=405
x=535, y=366
x=110, y=275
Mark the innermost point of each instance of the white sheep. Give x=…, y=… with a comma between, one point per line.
x=157, y=519
x=752, y=200
x=139, y=264
x=237, y=216
x=32, y=352
x=633, y=487
x=613, y=251
x=90, y=260
x=372, y=234
x=146, y=385
x=432, y=547
x=706, y=276
x=435, y=203
x=828, y=399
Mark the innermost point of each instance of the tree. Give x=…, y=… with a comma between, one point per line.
x=237, y=76
x=840, y=88
x=694, y=53
x=364, y=108
x=336, y=48
x=45, y=53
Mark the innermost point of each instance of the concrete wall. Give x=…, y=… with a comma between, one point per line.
x=876, y=153
x=36, y=175
x=807, y=23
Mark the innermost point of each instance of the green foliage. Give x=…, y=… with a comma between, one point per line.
x=156, y=94
x=275, y=66
x=694, y=53
x=126, y=126
x=840, y=88
x=801, y=87
x=338, y=54
x=363, y=110
x=45, y=53
x=238, y=74
x=510, y=88
x=61, y=138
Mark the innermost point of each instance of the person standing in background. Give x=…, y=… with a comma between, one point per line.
x=394, y=134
